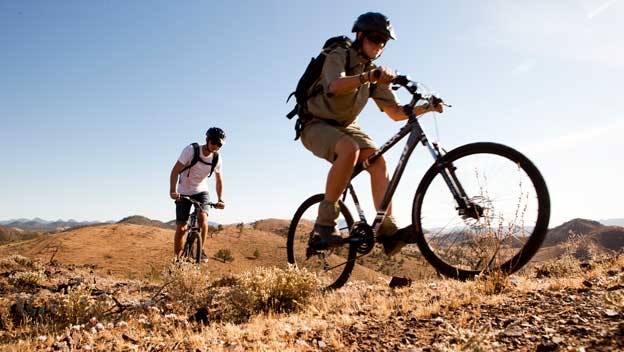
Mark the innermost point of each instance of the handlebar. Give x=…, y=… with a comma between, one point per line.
x=196, y=203
x=412, y=87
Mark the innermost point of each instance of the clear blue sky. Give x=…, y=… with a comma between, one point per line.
x=97, y=99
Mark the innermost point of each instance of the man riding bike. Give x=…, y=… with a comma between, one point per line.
x=195, y=164
x=332, y=134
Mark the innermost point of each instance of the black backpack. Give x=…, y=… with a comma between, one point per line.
x=196, y=158
x=311, y=75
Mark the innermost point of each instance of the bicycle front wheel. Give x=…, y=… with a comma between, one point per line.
x=193, y=247
x=334, y=265
x=508, y=229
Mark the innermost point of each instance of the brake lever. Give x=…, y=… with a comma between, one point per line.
x=434, y=101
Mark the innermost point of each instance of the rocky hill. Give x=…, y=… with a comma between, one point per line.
x=575, y=227
x=8, y=234
x=610, y=237
x=142, y=220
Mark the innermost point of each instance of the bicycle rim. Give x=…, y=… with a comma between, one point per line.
x=333, y=266
x=513, y=223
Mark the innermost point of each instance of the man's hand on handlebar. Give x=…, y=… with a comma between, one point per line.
x=436, y=108
x=383, y=75
x=174, y=195
x=425, y=108
x=220, y=205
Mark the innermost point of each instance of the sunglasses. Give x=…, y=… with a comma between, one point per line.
x=377, y=38
x=217, y=143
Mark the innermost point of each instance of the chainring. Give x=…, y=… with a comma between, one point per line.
x=362, y=237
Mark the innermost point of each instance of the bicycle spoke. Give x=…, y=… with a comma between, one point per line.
x=330, y=264
x=508, y=203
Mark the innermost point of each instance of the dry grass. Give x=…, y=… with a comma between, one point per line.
x=264, y=309
x=251, y=303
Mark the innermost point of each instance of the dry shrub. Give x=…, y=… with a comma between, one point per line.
x=186, y=282
x=615, y=299
x=17, y=262
x=224, y=255
x=278, y=289
x=24, y=272
x=76, y=306
x=6, y=321
x=493, y=282
x=262, y=290
x=27, y=279
x=567, y=265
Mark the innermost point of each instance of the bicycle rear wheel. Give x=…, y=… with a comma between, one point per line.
x=513, y=220
x=193, y=247
x=334, y=265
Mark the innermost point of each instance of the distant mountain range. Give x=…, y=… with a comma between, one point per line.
x=555, y=235
x=38, y=224
x=41, y=225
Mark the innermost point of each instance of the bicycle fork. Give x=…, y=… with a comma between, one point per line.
x=465, y=208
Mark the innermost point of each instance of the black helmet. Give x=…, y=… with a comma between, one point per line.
x=374, y=22
x=216, y=134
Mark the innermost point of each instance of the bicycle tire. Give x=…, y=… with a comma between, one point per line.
x=298, y=236
x=523, y=237
x=193, y=247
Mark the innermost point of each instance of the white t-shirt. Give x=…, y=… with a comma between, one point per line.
x=195, y=181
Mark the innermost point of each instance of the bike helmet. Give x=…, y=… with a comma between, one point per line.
x=216, y=134
x=374, y=22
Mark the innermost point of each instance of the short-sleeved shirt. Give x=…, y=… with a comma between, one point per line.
x=344, y=108
x=193, y=180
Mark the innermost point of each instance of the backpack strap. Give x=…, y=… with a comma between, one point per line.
x=214, y=162
x=196, y=159
x=193, y=161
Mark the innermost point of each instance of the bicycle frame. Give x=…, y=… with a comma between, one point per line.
x=416, y=135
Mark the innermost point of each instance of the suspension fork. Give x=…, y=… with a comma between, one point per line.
x=447, y=170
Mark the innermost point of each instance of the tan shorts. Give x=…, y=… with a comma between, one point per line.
x=320, y=138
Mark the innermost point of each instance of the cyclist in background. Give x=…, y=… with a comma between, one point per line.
x=195, y=164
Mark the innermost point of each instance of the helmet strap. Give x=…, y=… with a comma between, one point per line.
x=357, y=44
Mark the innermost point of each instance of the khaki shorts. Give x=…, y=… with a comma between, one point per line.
x=320, y=138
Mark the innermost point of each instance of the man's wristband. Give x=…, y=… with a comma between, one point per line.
x=362, y=77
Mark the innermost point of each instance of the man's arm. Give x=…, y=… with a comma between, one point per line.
x=397, y=114
x=173, y=179
x=219, y=185
x=347, y=84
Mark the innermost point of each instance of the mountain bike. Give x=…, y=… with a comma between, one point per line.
x=479, y=208
x=192, y=249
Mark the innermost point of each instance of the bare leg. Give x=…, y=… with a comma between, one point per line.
x=379, y=178
x=177, y=240
x=203, y=223
x=347, y=152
